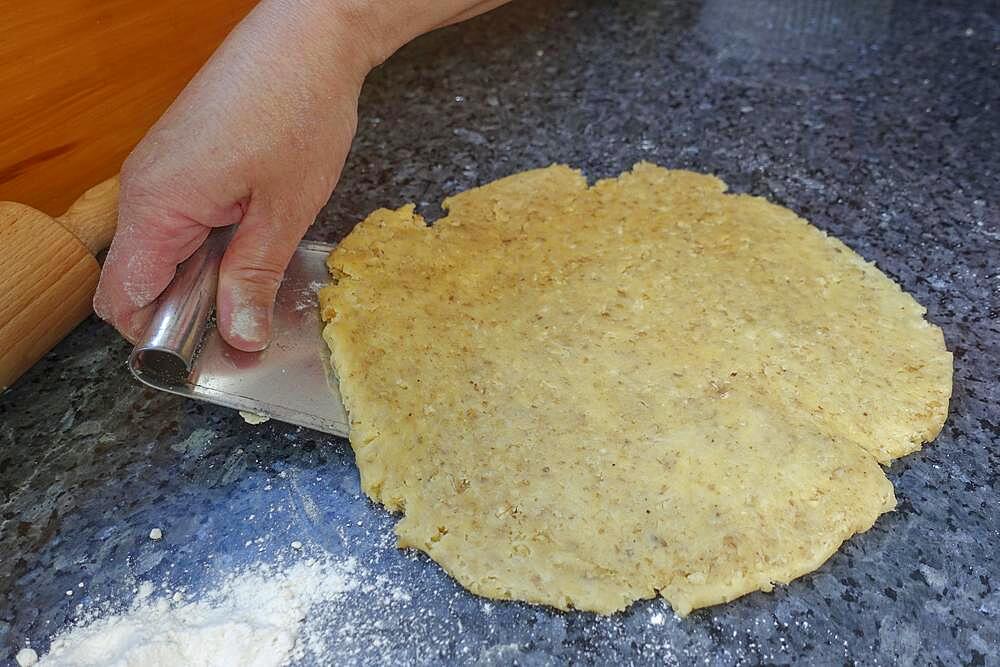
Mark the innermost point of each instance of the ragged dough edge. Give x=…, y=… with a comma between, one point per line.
x=683, y=595
x=383, y=227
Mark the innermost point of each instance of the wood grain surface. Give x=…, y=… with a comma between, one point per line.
x=83, y=80
x=47, y=280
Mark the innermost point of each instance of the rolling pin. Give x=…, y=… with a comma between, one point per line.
x=48, y=273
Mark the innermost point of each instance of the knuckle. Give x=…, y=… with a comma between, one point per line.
x=147, y=192
x=136, y=178
x=139, y=193
x=261, y=277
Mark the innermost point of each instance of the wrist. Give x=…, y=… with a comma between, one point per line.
x=335, y=38
x=378, y=28
x=358, y=35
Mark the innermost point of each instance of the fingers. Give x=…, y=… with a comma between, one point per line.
x=252, y=270
x=140, y=264
x=151, y=240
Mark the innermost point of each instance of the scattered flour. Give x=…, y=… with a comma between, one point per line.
x=143, y=285
x=253, y=618
x=307, y=297
x=247, y=321
x=26, y=657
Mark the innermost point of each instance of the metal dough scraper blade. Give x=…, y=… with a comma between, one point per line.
x=292, y=381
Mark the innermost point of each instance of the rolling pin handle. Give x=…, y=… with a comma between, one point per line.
x=94, y=216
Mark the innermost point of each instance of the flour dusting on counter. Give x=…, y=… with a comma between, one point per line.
x=253, y=618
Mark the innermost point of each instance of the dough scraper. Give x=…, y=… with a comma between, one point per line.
x=291, y=380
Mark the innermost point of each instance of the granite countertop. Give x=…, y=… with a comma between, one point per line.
x=875, y=119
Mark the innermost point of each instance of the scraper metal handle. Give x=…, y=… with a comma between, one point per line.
x=166, y=352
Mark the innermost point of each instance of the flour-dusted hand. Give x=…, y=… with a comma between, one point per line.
x=258, y=138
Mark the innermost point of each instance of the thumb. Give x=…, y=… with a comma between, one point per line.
x=252, y=270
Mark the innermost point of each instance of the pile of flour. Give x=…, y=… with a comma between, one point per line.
x=252, y=618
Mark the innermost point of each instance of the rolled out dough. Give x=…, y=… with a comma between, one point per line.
x=583, y=396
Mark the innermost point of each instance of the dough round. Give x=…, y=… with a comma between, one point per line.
x=583, y=396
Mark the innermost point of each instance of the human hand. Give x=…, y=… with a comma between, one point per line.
x=258, y=138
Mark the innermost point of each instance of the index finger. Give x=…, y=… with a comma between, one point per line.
x=143, y=258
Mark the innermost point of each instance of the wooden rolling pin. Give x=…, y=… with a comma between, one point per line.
x=48, y=273
x=81, y=82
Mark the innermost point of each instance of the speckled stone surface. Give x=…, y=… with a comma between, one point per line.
x=877, y=120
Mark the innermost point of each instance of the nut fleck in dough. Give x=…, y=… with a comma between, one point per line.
x=586, y=396
x=253, y=418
